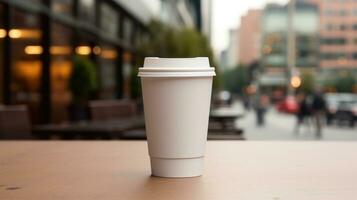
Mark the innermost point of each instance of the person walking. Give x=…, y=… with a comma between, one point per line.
x=261, y=105
x=303, y=113
x=318, y=108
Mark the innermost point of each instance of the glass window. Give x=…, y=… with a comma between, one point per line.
x=127, y=74
x=86, y=10
x=306, y=21
x=26, y=69
x=354, y=26
x=329, y=12
x=138, y=37
x=62, y=6
x=61, y=67
x=109, y=21
x=333, y=55
x=354, y=55
x=343, y=27
x=343, y=12
x=36, y=1
x=2, y=36
x=329, y=27
x=274, y=21
x=333, y=41
x=107, y=64
x=85, y=43
x=127, y=30
x=355, y=12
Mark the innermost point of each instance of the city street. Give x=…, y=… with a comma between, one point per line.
x=280, y=126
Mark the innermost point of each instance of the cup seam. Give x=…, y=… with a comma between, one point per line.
x=177, y=158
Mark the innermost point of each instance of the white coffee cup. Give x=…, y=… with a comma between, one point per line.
x=177, y=95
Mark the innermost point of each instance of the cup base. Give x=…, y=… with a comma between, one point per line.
x=176, y=168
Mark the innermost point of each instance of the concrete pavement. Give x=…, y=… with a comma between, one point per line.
x=280, y=126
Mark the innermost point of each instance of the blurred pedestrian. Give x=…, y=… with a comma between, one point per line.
x=304, y=112
x=261, y=105
x=318, y=108
x=246, y=102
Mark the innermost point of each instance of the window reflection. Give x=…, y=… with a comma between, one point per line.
x=109, y=21
x=86, y=10
x=26, y=66
x=62, y=6
x=107, y=61
x=127, y=29
x=61, y=67
x=127, y=71
x=2, y=36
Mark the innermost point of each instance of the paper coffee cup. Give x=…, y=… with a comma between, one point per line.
x=177, y=95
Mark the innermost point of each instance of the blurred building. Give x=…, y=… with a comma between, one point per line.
x=274, y=41
x=188, y=13
x=38, y=39
x=223, y=60
x=249, y=37
x=338, y=36
x=229, y=57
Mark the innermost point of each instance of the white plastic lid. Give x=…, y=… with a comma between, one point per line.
x=176, y=67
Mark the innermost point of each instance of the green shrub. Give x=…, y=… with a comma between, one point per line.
x=83, y=81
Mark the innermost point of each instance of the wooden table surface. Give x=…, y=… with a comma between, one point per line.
x=233, y=170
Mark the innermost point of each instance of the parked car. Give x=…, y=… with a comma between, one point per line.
x=332, y=100
x=347, y=112
x=288, y=105
x=338, y=102
x=222, y=99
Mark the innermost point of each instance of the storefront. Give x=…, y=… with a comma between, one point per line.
x=38, y=39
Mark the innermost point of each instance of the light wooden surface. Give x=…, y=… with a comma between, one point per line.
x=233, y=170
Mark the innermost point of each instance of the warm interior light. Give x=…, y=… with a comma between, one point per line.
x=60, y=50
x=2, y=33
x=97, y=50
x=83, y=50
x=251, y=89
x=25, y=33
x=127, y=57
x=295, y=81
x=267, y=49
x=15, y=33
x=342, y=60
x=29, y=72
x=108, y=54
x=33, y=50
x=31, y=33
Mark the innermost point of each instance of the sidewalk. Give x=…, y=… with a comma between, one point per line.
x=280, y=126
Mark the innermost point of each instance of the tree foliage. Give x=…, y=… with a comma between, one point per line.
x=83, y=81
x=307, y=82
x=236, y=79
x=342, y=82
x=345, y=83
x=170, y=42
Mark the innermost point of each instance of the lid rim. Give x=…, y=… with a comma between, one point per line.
x=157, y=62
x=177, y=74
x=176, y=69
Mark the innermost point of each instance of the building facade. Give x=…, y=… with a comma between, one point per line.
x=38, y=39
x=249, y=37
x=338, y=33
x=274, y=49
x=187, y=13
x=230, y=59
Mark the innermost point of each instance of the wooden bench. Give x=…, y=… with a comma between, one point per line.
x=222, y=124
x=102, y=110
x=15, y=122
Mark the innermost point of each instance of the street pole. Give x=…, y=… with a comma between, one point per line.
x=291, y=47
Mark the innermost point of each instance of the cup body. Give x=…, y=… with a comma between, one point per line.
x=176, y=119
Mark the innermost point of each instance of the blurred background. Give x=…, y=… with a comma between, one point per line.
x=286, y=70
